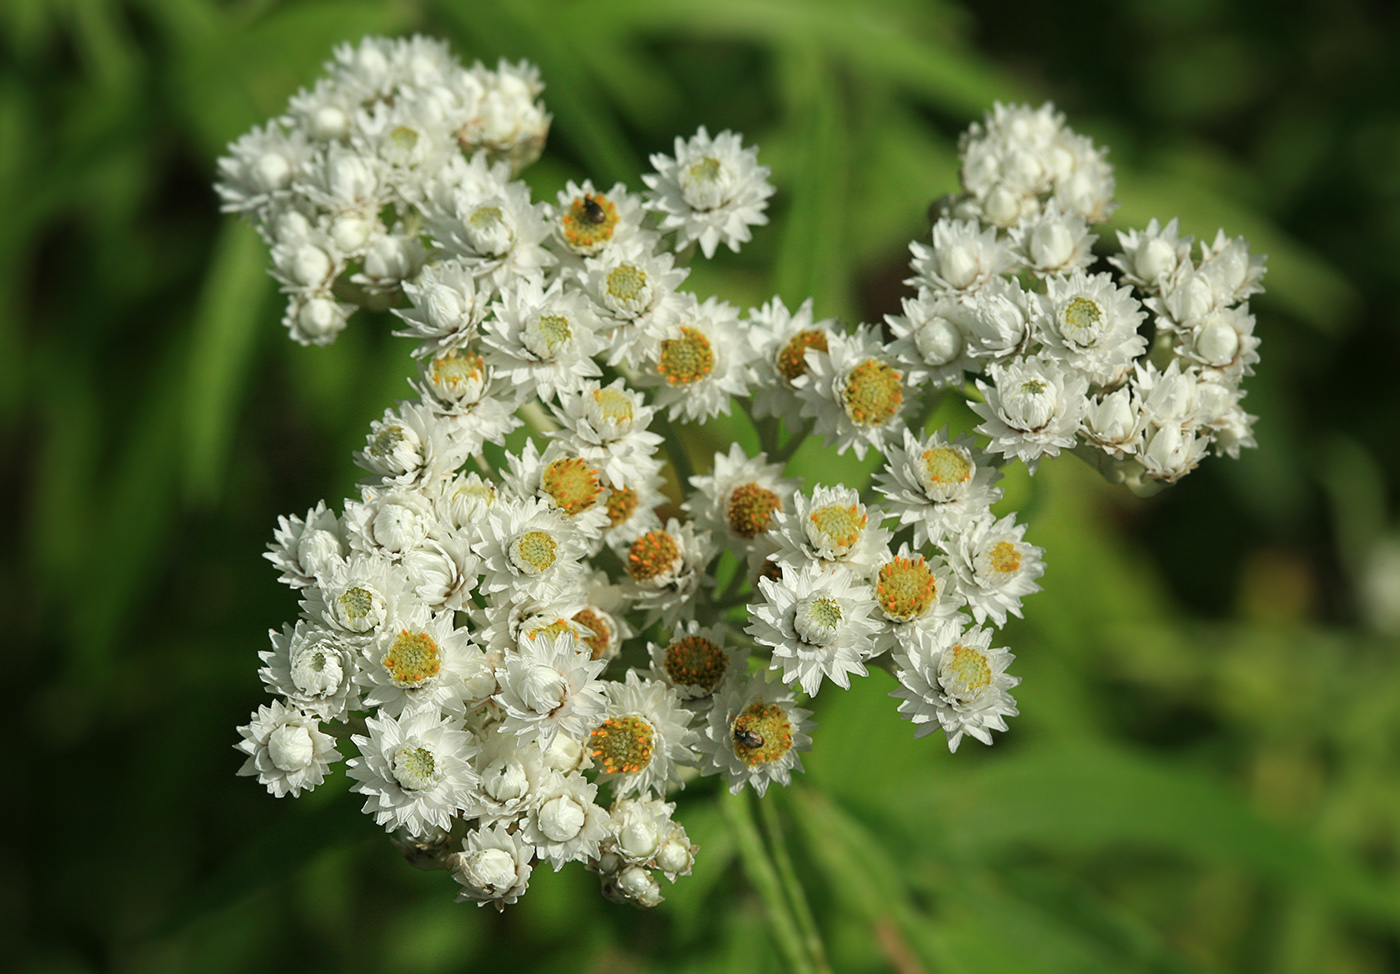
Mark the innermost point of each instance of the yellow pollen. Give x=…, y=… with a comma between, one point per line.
x=621, y=503
x=686, y=359
x=556, y=628
x=614, y=405
x=485, y=216
x=946, y=465
x=653, y=554
x=555, y=331
x=694, y=661
x=751, y=507
x=792, y=362
x=356, y=602
x=843, y=524
x=1004, y=557
x=582, y=229
x=623, y=745
x=454, y=370
x=533, y=551
x=383, y=443
x=601, y=636
x=874, y=392
x=1083, y=315
x=705, y=171
x=412, y=659
x=971, y=669
x=1033, y=387
x=572, y=484
x=404, y=137
x=625, y=282
x=906, y=588
x=766, y=722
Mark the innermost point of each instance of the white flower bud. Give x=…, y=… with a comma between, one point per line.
x=1155, y=260
x=387, y=258
x=488, y=231
x=1051, y=244
x=290, y=747
x=486, y=870
x=1113, y=418
x=639, y=840
x=351, y=233
x=636, y=882
x=1002, y=206
x=542, y=688
x=674, y=857
x=939, y=341
x=564, y=754
x=1029, y=404
x=561, y=818
x=1217, y=342
x=505, y=781
x=271, y=171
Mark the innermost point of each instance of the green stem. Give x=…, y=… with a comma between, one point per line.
x=784, y=453
x=764, y=877
x=773, y=829
x=676, y=453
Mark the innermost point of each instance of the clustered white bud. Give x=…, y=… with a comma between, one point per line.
x=529, y=656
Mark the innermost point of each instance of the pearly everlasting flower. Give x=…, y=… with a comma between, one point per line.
x=696, y=362
x=447, y=307
x=359, y=596
x=608, y=426
x=1113, y=423
x=286, y=750
x=667, y=568
x=1234, y=273
x=854, y=393
x=1150, y=258
x=642, y=738
x=912, y=591
x=938, y=485
x=586, y=222
x=313, y=668
x=710, y=191
x=443, y=572
x=569, y=484
x=956, y=682
x=498, y=237
x=999, y=325
x=964, y=257
x=755, y=734
x=543, y=338
x=389, y=523
x=424, y=663
x=995, y=567
x=738, y=499
x=931, y=339
x=634, y=289
x=564, y=823
x=1053, y=242
x=830, y=526
x=303, y=548
x=1091, y=326
x=695, y=661
x=1222, y=344
x=529, y=550
x=415, y=771
x=1033, y=408
x=493, y=867
x=550, y=687
x=510, y=771
x=817, y=625
x=260, y=168
x=781, y=340
x=413, y=447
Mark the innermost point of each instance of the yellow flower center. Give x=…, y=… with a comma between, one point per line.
x=654, y=553
x=1082, y=320
x=965, y=673
x=1004, y=558
x=843, y=525
x=556, y=628
x=906, y=588
x=614, y=405
x=792, y=361
x=623, y=745
x=626, y=281
x=751, y=507
x=589, y=221
x=761, y=733
x=412, y=659
x=533, y=551
x=357, y=603
x=455, y=370
x=946, y=465
x=694, y=661
x=874, y=392
x=705, y=171
x=572, y=484
x=621, y=503
x=687, y=359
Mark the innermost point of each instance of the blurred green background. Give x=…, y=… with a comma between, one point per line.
x=1206, y=772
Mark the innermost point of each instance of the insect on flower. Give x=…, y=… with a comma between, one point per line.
x=748, y=738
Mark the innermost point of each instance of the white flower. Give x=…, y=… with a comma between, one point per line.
x=738, y=498
x=831, y=526
x=632, y=287
x=443, y=572
x=413, y=446
x=1033, y=409
x=696, y=362
x=667, y=568
x=261, y=167
x=529, y=550
x=608, y=426
x=313, y=668
x=755, y=734
x=854, y=393
x=564, y=823
x=509, y=122
x=550, y=687
x=543, y=339
x=963, y=259
x=1222, y=343
x=781, y=340
x=509, y=770
x=995, y=567
x=632, y=502
x=955, y=681
x=1053, y=241
x=931, y=339
x=1091, y=325
x=462, y=503
x=912, y=592
x=1233, y=272
x=587, y=221
x=1172, y=451
x=415, y=770
x=817, y=624
x=999, y=325
x=447, y=307
x=315, y=319
x=493, y=867
x=500, y=236
x=569, y=484
x=710, y=190
x=303, y=548
x=695, y=660
x=643, y=737
x=286, y=750
x=1152, y=257
x=1113, y=423
x=389, y=523
x=360, y=596
x=937, y=484
x=426, y=662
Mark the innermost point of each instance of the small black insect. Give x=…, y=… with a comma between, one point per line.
x=592, y=211
x=747, y=738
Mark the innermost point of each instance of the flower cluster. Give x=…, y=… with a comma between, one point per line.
x=526, y=650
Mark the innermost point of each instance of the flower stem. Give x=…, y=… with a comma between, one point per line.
x=764, y=876
x=773, y=829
